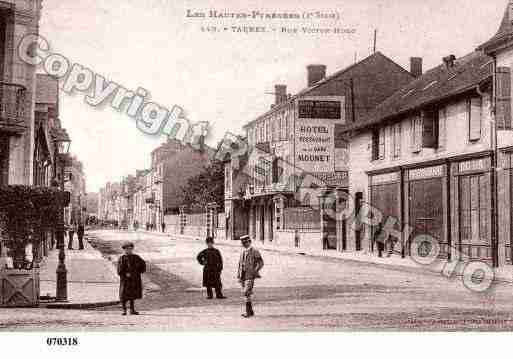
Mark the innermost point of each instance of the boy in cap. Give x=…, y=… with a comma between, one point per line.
x=212, y=263
x=250, y=264
x=130, y=268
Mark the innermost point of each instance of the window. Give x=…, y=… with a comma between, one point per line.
x=474, y=118
x=382, y=133
x=442, y=129
x=375, y=144
x=430, y=123
x=277, y=170
x=396, y=140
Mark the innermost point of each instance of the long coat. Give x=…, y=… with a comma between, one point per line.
x=212, y=263
x=130, y=287
x=250, y=264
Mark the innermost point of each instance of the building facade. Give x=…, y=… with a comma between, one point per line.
x=296, y=153
x=17, y=103
x=424, y=159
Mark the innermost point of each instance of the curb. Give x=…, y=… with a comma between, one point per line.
x=80, y=305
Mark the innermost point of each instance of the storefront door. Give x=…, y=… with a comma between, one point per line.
x=426, y=211
x=475, y=216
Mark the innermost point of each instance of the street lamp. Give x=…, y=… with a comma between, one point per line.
x=61, y=160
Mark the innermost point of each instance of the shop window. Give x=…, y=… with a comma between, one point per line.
x=474, y=118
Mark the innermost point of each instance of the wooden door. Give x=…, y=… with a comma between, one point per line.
x=426, y=212
x=475, y=216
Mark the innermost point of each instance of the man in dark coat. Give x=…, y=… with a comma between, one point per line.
x=80, y=234
x=130, y=268
x=71, y=234
x=212, y=263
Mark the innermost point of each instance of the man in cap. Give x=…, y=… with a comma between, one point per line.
x=130, y=268
x=250, y=264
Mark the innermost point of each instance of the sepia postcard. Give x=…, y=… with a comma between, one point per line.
x=176, y=172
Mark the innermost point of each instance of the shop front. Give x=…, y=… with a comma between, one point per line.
x=471, y=199
x=385, y=196
x=427, y=206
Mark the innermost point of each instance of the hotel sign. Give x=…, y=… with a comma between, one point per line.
x=331, y=110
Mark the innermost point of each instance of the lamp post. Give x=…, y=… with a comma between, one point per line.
x=62, y=273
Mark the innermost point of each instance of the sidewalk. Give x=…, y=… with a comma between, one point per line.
x=92, y=280
x=503, y=274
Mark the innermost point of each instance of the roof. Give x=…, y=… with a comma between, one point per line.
x=47, y=89
x=435, y=85
x=341, y=75
x=505, y=33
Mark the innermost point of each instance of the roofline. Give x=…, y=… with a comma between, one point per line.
x=363, y=126
x=324, y=81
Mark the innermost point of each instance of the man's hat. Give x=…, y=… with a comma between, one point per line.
x=245, y=238
x=127, y=245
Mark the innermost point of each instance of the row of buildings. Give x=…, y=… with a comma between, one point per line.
x=431, y=149
x=34, y=146
x=143, y=199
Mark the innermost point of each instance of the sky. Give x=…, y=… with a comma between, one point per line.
x=227, y=78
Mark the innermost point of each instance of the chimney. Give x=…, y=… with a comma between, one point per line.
x=416, y=66
x=280, y=94
x=315, y=73
x=449, y=61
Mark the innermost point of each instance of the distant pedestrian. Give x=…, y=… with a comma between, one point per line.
x=212, y=263
x=250, y=264
x=130, y=268
x=80, y=234
x=71, y=234
x=163, y=227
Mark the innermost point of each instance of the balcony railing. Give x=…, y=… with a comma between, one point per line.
x=12, y=106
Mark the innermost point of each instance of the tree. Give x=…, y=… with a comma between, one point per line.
x=205, y=188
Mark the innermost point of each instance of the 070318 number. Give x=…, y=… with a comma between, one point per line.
x=71, y=341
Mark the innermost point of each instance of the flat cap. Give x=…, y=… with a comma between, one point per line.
x=127, y=245
x=245, y=238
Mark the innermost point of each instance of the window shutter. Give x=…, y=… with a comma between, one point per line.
x=416, y=135
x=382, y=143
x=397, y=140
x=474, y=119
x=503, y=94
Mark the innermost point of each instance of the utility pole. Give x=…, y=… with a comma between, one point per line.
x=375, y=40
x=353, y=114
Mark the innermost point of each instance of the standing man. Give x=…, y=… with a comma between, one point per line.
x=71, y=234
x=130, y=268
x=163, y=227
x=80, y=234
x=212, y=263
x=250, y=264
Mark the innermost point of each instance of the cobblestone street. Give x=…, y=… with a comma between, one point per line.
x=296, y=293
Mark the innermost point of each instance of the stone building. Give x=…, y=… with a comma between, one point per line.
x=295, y=152
x=18, y=86
x=424, y=159
x=500, y=49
